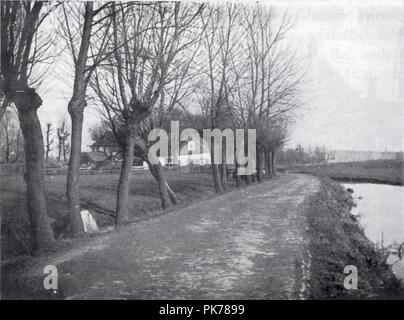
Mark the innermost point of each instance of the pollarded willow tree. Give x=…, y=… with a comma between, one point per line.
x=148, y=42
x=23, y=47
x=85, y=28
x=222, y=44
x=163, y=113
x=268, y=86
x=272, y=136
x=178, y=88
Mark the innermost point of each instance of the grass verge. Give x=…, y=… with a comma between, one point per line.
x=98, y=194
x=375, y=171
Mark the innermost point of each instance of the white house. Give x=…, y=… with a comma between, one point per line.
x=191, y=152
x=194, y=152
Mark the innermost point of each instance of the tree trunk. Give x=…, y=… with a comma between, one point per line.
x=260, y=163
x=273, y=163
x=122, y=205
x=269, y=163
x=7, y=144
x=239, y=181
x=65, y=150
x=76, y=110
x=160, y=177
x=215, y=172
x=59, y=150
x=171, y=194
x=223, y=167
x=161, y=180
x=48, y=144
x=76, y=227
x=223, y=175
x=17, y=151
x=248, y=178
x=162, y=184
x=217, y=178
x=41, y=233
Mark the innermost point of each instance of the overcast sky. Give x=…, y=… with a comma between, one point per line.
x=351, y=49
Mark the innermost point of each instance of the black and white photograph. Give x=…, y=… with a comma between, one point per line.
x=202, y=155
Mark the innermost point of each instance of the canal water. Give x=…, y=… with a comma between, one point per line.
x=381, y=210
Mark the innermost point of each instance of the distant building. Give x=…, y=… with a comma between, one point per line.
x=353, y=156
x=191, y=152
x=106, y=144
x=94, y=158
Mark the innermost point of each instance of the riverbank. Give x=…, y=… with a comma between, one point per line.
x=337, y=240
x=375, y=171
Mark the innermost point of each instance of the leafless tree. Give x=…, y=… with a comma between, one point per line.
x=20, y=52
x=49, y=140
x=10, y=136
x=148, y=42
x=267, y=90
x=66, y=151
x=271, y=138
x=63, y=135
x=222, y=44
x=85, y=29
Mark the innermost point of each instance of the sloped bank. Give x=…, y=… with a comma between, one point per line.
x=337, y=240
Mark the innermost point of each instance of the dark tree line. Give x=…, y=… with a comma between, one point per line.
x=299, y=155
x=11, y=144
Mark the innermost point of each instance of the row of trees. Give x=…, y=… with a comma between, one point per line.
x=11, y=138
x=144, y=64
x=11, y=144
x=299, y=155
x=62, y=140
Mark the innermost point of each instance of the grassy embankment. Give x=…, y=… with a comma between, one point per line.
x=337, y=240
x=98, y=193
x=375, y=171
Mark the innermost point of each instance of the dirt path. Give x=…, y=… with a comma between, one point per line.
x=248, y=244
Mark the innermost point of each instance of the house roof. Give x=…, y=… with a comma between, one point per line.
x=107, y=140
x=96, y=156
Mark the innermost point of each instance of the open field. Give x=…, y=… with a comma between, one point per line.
x=377, y=171
x=98, y=194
